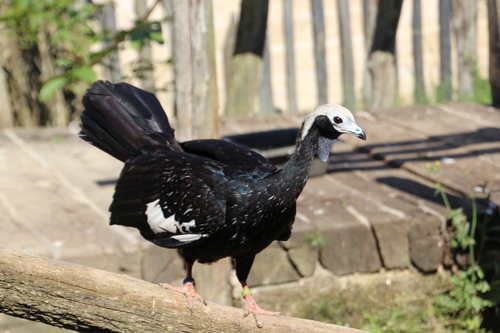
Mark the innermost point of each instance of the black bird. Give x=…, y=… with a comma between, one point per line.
x=208, y=198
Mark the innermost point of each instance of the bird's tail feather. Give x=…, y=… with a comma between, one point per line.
x=121, y=120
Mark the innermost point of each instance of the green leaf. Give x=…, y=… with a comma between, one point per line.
x=85, y=73
x=50, y=87
x=64, y=62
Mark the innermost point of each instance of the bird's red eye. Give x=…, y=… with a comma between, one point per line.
x=337, y=120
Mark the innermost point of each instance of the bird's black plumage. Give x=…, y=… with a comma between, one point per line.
x=209, y=198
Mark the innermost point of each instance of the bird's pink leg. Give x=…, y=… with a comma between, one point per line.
x=251, y=307
x=187, y=289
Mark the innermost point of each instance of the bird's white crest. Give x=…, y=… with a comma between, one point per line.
x=158, y=223
x=330, y=110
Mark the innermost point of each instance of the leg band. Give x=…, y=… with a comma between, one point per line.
x=188, y=279
x=246, y=292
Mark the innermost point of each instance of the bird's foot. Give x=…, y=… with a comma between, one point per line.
x=251, y=307
x=188, y=290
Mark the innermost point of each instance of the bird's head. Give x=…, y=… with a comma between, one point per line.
x=330, y=120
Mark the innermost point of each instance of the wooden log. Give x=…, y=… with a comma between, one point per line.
x=320, y=50
x=91, y=300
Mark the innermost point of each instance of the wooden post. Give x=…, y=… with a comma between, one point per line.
x=464, y=29
x=145, y=58
x=346, y=53
x=446, y=91
x=494, y=65
x=291, y=85
x=6, y=116
x=381, y=63
x=370, y=9
x=58, y=112
x=90, y=300
x=265, y=86
x=112, y=61
x=194, y=68
x=319, y=50
x=245, y=66
x=420, y=96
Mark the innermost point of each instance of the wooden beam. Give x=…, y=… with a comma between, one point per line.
x=91, y=300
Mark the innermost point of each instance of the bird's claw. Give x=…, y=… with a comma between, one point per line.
x=251, y=307
x=188, y=290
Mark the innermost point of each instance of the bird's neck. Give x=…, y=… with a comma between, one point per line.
x=295, y=172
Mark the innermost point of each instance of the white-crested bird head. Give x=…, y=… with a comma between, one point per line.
x=341, y=120
x=331, y=120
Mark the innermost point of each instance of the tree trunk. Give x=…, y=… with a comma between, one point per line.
x=420, y=96
x=464, y=27
x=320, y=51
x=90, y=300
x=144, y=70
x=494, y=34
x=346, y=53
x=245, y=66
x=446, y=90
x=381, y=63
x=291, y=84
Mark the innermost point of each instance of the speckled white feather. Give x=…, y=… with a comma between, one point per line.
x=158, y=223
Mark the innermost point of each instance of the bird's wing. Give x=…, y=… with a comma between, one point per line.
x=229, y=153
x=170, y=198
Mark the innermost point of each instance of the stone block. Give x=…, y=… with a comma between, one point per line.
x=350, y=248
x=392, y=238
x=301, y=252
x=272, y=266
x=426, y=244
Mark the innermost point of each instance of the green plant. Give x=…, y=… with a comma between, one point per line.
x=462, y=308
x=316, y=240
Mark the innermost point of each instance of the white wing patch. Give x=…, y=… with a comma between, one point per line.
x=158, y=223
